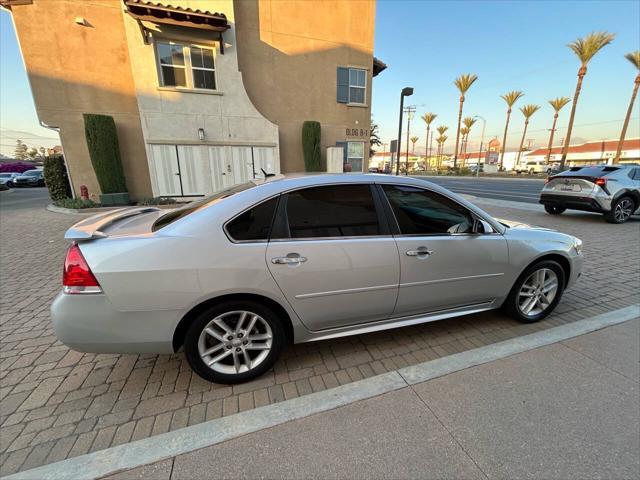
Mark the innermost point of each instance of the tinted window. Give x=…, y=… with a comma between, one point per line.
x=421, y=212
x=254, y=224
x=332, y=211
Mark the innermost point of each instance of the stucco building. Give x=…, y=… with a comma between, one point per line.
x=204, y=93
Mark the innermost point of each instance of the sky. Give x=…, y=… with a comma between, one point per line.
x=510, y=45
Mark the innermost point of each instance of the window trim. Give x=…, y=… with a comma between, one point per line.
x=363, y=154
x=281, y=215
x=188, y=66
x=349, y=87
x=396, y=227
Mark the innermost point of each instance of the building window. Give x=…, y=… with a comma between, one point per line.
x=355, y=156
x=352, y=85
x=186, y=66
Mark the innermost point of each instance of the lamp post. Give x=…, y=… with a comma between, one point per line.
x=484, y=124
x=406, y=92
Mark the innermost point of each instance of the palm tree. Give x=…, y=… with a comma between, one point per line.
x=428, y=118
x=464, y=131
x=511, y=98
x=463, y=83
x=557, y=104
x=634, y=58
x=441, y=139
x=585, y=49
x=413, y=147
x=468, y=122
x=527, y=111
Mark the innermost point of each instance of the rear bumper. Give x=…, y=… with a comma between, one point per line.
x=587, y=204
x=90, y=323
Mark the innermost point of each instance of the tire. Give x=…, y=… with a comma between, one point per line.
x=554, y=209
x=621, y=210
x=234, y=343
x=515, y=305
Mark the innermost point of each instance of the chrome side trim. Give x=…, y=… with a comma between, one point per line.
x=389, y=323
x=453, y=279
x=345, y=291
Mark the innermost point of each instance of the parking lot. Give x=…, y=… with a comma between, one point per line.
x=56, y=403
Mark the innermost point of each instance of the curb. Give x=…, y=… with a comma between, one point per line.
x=167, y=445
x=494, y=202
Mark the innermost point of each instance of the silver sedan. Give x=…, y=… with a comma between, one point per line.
x=237, y=276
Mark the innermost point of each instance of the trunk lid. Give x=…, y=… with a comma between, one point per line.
x=570, y=184
x=123, y=221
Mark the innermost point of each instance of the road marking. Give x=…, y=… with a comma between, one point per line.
x=159, y=447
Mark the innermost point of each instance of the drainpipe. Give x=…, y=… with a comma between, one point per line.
x=57, y=130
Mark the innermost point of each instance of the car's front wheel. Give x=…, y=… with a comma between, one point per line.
x=621, y=210
x=554, y=209
x=234, y=342
x=536, y=292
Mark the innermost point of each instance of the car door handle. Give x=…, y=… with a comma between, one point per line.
x=419, y=252
x=290, y=259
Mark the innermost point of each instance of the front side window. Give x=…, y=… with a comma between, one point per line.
x=421, y=212
x=331, y=211
x=186, y=66
x=254, y=224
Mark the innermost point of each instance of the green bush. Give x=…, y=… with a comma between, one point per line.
x=74, y=203
x=157, y=201
x=102, y=141
x=464, y=171
x=55, y=177
x=311, y=145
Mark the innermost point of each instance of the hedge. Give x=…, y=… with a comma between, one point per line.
x=102, y=141
x=311, y=145
x=55, y=177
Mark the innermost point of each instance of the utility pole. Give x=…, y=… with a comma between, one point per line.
x=484, y=124
x=410, y=110
x=430, y=147
x=406, y=92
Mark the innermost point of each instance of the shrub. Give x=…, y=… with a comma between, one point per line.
x=74, y=203
x=157, y=201
x=311, y=145
x=55, y=177
x=102, y=141
x=464, y=171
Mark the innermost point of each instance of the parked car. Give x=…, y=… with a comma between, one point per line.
x=237, y=276
x=474, y=169
x=6, y=178
x=533, y=167
x=613, y=190
x=30, y=178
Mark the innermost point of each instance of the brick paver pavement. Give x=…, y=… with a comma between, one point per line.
x=56, y=403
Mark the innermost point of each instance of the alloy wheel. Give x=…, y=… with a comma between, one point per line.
x=235, y=342
x=537, y=292
x=623, y=210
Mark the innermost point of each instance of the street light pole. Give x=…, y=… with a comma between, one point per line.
x=484, y=124
x=406, y=92
x=409, y=111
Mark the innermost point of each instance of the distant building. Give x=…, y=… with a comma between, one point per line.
x=595, y=152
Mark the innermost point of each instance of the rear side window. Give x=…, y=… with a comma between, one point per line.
x=254, y=224
x=331, y=211
x=422, y=212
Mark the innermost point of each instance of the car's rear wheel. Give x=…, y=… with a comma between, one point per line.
x=621, y=210
x=554, y=209
x=234, y=342
x=536, y=292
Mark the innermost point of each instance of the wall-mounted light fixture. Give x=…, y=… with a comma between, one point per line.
x=81, y=21
x=201, y=133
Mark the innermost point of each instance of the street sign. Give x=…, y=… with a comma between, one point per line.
x=394, y=146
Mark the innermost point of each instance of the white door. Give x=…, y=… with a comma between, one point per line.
x=221, y=175
x=241, y=162
x=195, y=172
x=164, y=170
x=263, y=159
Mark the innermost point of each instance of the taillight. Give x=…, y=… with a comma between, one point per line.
x=548, y=179
x=77, y=276
x=601, y=182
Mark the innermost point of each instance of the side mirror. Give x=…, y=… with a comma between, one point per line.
x=482, y=226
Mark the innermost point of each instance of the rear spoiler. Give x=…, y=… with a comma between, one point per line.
x=92, y=227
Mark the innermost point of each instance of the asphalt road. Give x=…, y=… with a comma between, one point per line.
x=512, y=189
x=28, y=197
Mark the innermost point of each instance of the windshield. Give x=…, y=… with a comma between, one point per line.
x=31, y=173
x=188, y=209
x=6, y=175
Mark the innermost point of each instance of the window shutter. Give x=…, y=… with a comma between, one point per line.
x=343, y=85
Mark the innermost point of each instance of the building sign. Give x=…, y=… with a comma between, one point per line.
x=357, y=132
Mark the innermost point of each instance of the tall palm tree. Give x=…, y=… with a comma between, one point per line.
x=528, y=110
x=634, y=58
x=464, y=131
x=463, y=83
x=468, y=122
x=441, y=139
x=585, y=49
x=557, y=104
x=428, y=118
x=511, y=98
x=413, y=147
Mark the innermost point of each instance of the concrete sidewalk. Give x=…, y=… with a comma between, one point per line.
x=566, y=410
